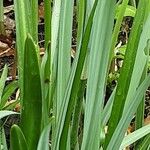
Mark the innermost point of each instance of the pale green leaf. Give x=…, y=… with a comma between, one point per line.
x=2, y=81
x=134, y=136
x=124, y=122
x=5, y=113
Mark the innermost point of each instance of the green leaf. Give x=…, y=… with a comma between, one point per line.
x=2, y=81
x=122, y=49
x=55, y=28
x=10, y=88
x=21, y=34
x=2, y=27
x=11, y=106
x=31, y=115
x=108, y=108
x=144, y=143
x=127, y=116
x=77, y=114
x=44, y=138
x=72, y=88
x=47, y=21
x=45, y=83
x=81, y=20
x=117, y=27
x=134, y=136
x=97, y=71
x=4, y=113
x=31, y=12
x=130, y=11
x=64, y=47
x=140, y=62
x=139, y=119
x=74, y=144
x=126, y=71
x=17, y=139
x=3, y=143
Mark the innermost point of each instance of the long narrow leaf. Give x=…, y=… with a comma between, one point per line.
x=17, y=139
x=139, y=122
x=97, y=72
x=117, y=26
x=43, y=143
x=77, y=113
x=140, y=61
x=55, y=27
x=108, y=108
x=144, y=143
x=8, y=92
x=45, y=83
x=64, y=61
x=123, y=124
x=31, y=115
x=21, y=32
x=4, y=113
x=31, y=13
x=136, y=135
x=126, y=72
x=3, y=143
x=47, y=20
x=2, y=81
x=72, y=87
x=81, y=20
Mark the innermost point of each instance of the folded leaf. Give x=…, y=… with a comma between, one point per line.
x=4, y=113
x=17, y=139
x=31, y=115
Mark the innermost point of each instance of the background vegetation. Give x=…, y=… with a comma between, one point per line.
x=87, y=102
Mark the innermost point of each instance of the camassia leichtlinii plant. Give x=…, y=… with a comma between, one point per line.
x=62, y=103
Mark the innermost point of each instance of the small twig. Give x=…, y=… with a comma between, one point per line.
x=6, y=51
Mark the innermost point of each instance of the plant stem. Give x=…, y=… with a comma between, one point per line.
x=47, y=19
x=2, y=30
